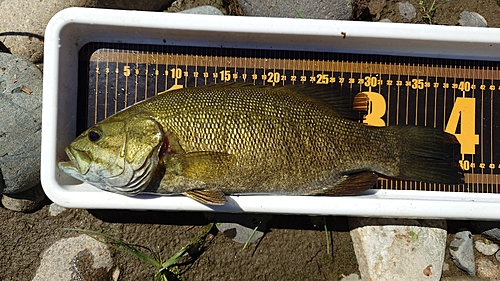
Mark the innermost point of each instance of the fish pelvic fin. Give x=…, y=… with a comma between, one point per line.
x=351, y=184
x=428, y=155
x=207, y=196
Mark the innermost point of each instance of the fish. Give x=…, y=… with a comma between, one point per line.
x=207, y=142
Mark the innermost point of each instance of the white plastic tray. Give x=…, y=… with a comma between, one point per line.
x=72, y=28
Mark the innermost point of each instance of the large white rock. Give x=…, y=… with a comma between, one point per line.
x=399, y=249
x=75, y=258
x=310, y=9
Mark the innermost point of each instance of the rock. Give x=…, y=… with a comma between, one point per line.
x=20, y=129
x=75, y=258
x=23, y=22
x=462, y=251
x=446, y=266
x=407, y=10
x=203, y=10
x=472, y=19
x=375, y=7
x=497, y=256
x=490, y=229
x=486, y=249
x=310, y=9
x=26, y=201
x=116, y=274
x=186, y=5
x=487, y=269
x=351, y=277
x=55, y=209
x=385, y=20
x=399, y=249
x=240, y=228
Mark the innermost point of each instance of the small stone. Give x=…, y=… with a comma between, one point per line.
x=487, y=269
x=490, y=229
x=497, y=256
x=462, y=251
x=399, y=249
x=472, y=19
x=446, y=266
x=241, y=229
x=116, y=274
x=75, y=258
x=26, y=201
x=486, y=249
x=351, y=277
x=407, y=10
x=20, y=128
x=198, y=7
x=55, y=209
x=203, y=10
x=376, y=6
x=385, y=20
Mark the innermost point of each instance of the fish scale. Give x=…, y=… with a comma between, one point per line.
x=276, y=137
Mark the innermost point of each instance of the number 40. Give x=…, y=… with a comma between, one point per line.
x=464, y=110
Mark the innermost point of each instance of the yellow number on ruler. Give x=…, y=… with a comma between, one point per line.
x=417, y=84
x=273, y=77
x=126, y=70
x=322, y=79
x=176, y=73
x=376, y=109
x=465, y=110
x=225, y=75
x=370, y=81
x=464, y=164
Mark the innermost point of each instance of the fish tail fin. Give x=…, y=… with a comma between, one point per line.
x=428, y=155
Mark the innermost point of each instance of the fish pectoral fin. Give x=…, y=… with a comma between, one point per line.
x=351, y=184
x=203, y=166
x=207, y=196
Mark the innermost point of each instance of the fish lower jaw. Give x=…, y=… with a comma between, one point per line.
x=70, y=169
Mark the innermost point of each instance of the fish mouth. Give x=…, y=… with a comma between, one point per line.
x=79, y=162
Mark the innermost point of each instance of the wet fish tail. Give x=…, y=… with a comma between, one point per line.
x=427, y=155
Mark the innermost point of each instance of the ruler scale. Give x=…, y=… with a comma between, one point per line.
x=458, y=96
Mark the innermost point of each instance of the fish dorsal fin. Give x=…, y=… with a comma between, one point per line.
x=207, y=196
x=334, y=98
x=329, y=95
x=351, y=184
x=202, y=166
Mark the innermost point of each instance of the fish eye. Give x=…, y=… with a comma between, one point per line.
x=94, y=135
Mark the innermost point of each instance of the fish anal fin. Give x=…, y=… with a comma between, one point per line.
x=207, y=196
x=351, y=184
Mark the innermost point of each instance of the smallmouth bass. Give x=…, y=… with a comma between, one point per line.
x=208, y=141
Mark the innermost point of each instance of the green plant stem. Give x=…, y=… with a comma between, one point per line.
x=250, y=238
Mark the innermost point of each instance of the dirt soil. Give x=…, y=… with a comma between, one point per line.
x=294, y=247
x=444, y=12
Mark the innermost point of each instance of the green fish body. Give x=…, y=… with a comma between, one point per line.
x=208, y=141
